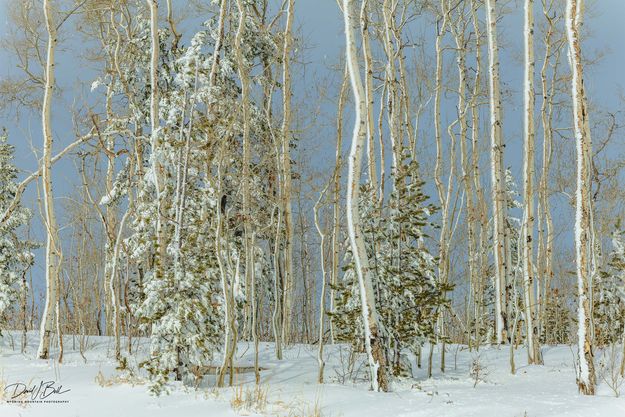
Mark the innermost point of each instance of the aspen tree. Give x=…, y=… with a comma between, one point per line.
x=243, y=72
x=444, y=192
x=533, y=347
x=370, y=99
x=322, y=296
x=154, y=126
x=481, y=209
x=231, y=326
x=471, y=218
x=53, y=245
x=438, y=178
x=548, y=87
x=586, y=379
x=373, y=341
x=393, y=107
x=500, y=242
x=286, y=176
x=336, y=203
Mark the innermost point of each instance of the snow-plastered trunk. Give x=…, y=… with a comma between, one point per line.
x=373, y=341
x=586, y=379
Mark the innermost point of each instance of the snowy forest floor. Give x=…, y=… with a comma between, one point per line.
x=291, y=388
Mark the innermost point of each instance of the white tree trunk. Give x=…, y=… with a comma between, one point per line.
x=373, y=342
x=586, y=379
x=322, y=296
x=370, y=99
x=243, y=72
x=497, y=172
x=289, y=281
x=53, y=247
x=533, y=348
x=545, y=246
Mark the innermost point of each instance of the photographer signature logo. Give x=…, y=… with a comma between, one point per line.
x=42, y=392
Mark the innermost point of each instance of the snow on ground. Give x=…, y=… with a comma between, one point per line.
x=292, y=390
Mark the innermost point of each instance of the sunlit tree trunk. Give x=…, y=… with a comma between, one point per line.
x=545, y=238
x=480, y=206
x=53, y=246
x=586, y=379
x=370, y=99
x=322, y=298
x=533, y=347
x=497, y=172
x=373, y=341
x=289, y=281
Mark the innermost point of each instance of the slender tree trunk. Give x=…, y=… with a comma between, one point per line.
x=497, y=173
x=369, y=97
x=533, y=346
x=443, y=197
x=161, y=248
x=481, y=210
x=336, y=204
x=471, y=217
x=545, y=245
x=286, y=177
x=243, y=71
x=322, y=298
x=53, y=246
x=373, y=340
x=586, y=379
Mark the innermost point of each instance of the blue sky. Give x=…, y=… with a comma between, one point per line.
x=320, y=22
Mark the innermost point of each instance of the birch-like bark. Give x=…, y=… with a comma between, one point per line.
x=533, y=347
x=471, y=217
x=438, y=136
x=336, y=225
x=322, y=297
x=286, y=177
x=369, y=99
x=393, y=107
x=586, y=379
x=53, y=247
x=481, y=210
x=228, y=349
x=443, y=192
x=545, y=245
x=373, y=342
x=497, y=172
x=243, y=72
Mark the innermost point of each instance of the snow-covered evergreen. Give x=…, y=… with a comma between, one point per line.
x=408, y=294
x=15, y=252
x=609, y=294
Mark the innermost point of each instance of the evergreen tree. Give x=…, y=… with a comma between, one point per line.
x=15, y=253
x=558, y=320
x=609, y=294
x=407, y=291
x=199, y=147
